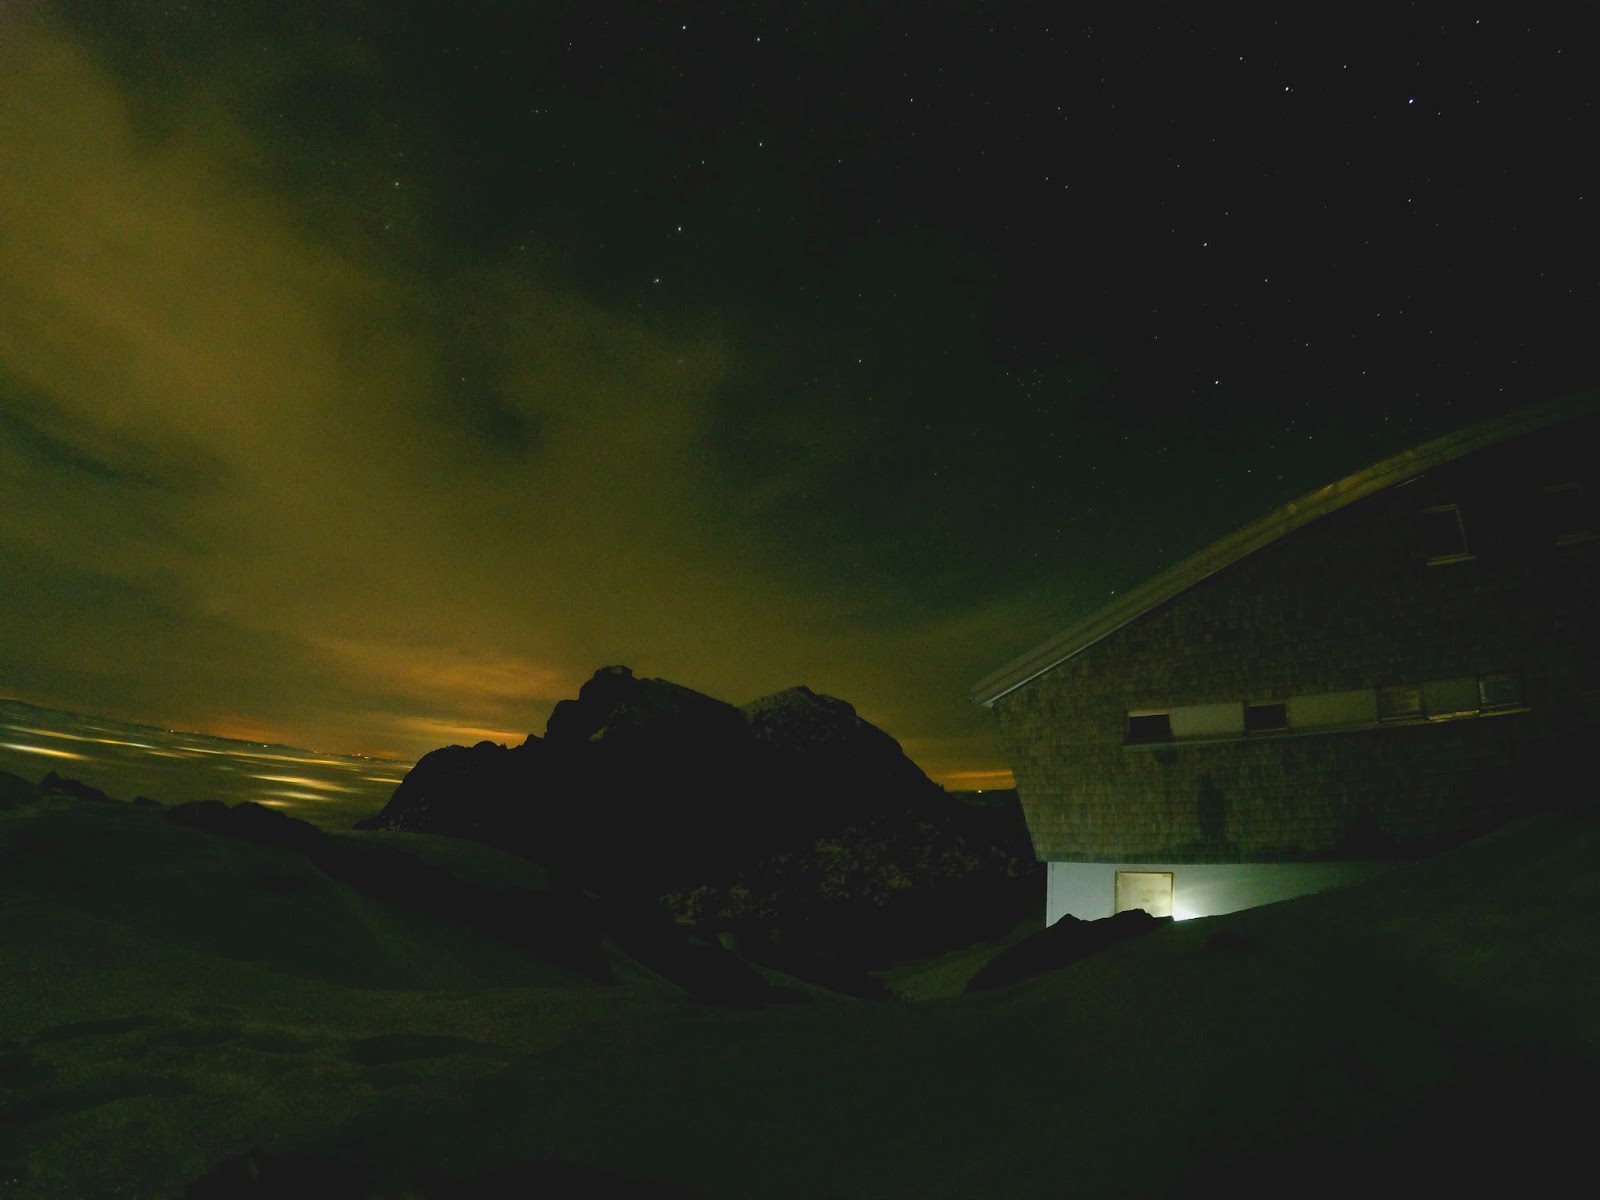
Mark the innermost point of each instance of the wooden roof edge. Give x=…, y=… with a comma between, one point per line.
x=1179, y=578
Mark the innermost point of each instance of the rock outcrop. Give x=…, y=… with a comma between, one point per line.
x=646, y=781
x=832, y=763
x=790, y=822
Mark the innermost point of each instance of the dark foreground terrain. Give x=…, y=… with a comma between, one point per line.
x=185, y=1012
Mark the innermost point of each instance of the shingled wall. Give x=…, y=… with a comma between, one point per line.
x=1346, y=602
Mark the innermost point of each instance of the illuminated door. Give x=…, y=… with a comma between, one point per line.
x=1149, y=890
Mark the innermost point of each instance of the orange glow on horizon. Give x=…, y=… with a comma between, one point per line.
x=243, y=729
x=463, y=735
x=976, y=781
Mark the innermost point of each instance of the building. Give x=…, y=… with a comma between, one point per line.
x=1392, y=664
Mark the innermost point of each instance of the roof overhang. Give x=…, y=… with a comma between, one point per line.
x=1177, y=579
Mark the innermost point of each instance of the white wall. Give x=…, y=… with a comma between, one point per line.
x=1087, y=890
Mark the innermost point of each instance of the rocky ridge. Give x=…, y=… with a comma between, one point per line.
x=790, y=818
x=653, y=779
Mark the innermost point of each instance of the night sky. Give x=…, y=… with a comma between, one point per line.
x=370, y=373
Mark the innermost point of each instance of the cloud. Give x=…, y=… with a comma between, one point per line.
x=260, y=477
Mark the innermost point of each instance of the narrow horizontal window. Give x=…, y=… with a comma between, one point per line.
x=1150, y=727
x=1444, y=536
x=1208, y=720
x=1326, y=709
x=1499, y=691
x=1259, y=718
x=1450, y=697
x=1399, y=701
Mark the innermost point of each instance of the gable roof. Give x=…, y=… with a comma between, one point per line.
x=1398, y=469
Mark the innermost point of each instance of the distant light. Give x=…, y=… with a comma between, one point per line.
x=302, y=781
x=288, y=758
x=50, y=733
x=44, y=750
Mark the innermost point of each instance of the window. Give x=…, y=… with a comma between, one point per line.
x=1149, y=727
x=1444, y=537
x=1332, y=712
x=1258, y=718
x=1499, y=691
x=1443, y=698
x=1208, y=720
x=1399, y=702
x=1326, y=710
x=1567, y=519
x=1185, y=722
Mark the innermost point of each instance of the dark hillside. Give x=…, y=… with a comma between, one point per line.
x=185, y=1005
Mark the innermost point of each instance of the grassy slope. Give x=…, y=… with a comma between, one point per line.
x=1435, y=1026
x=946, y=975
x=1436, y=1029
x=168, y=998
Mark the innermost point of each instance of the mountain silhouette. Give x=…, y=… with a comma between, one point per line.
x=644, y=784
x=789, y=821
